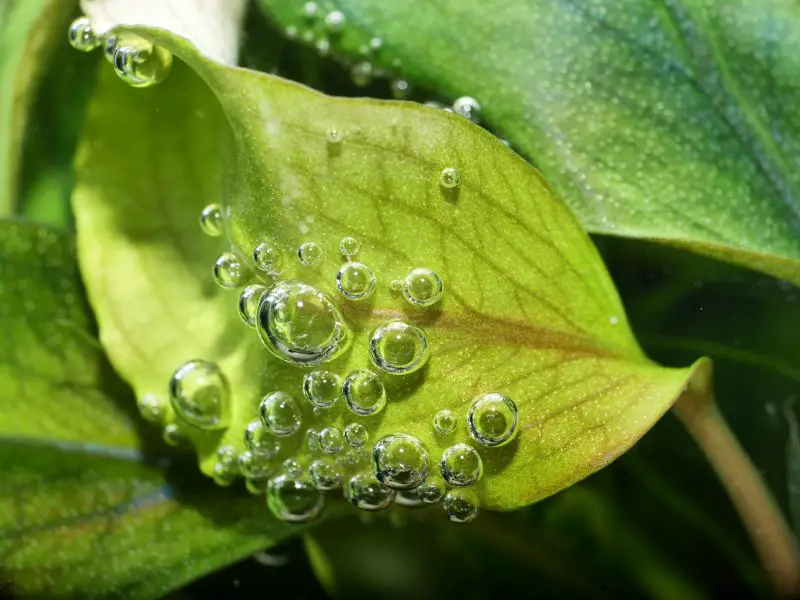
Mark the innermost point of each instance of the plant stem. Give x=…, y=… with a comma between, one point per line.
x=761, y=516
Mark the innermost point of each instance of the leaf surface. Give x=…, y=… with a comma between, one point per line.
x=667, y=121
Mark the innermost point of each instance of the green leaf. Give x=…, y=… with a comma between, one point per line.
x=29, y=33
x=90, y=508
x=529, y=309
x=671, y=122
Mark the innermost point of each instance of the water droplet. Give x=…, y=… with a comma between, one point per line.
x=299, y=324
x=334, y=21
x=449, y=178
x=364, y=393
x=200, y=395
x=211, y=221
x=172, y=434
x=325, y=475
x=400, y=89
x=294, y=500
x=492, y=419
x=109, y=47
x=228, y=271
x=400, y=461
x=423, y=287
x=361, y=74
x=322, y=388
x=444, y=422
x=139, y=62
x=312, y=440
x=82, y=35
x=334, y=135
x=260, y=441
x=356, y=435
x=254, y=466
x=431, y=490
x=310, y=10
x=398, y=348
x=461, y=465
x=223, y=475
x=292, y=468
x=331, y=440
x=310, y=254
x=349, y=247
x=368, y=493
x=461, y=505
x=268, y=258
x=152, y=408
x=355, y=281
x=249, y=300
x=468, y=107
x=280, y=414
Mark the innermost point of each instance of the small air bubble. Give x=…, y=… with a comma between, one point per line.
x=248, y=304
x=325, y=475
x=364, y=393
x=172, y=434
x=368, y=493
x=292, y=468
x=356, y=435
x=331, y=440
x=400, y=89
x=449, y=178
x=200, y=395
x=280, y=414
x=492, y=419
x=461, y=505
x=423, y=287
x=444, y=422
x=355, y=281
x=468, y=107
x=349, y=247
x=335, y=21
x=461, y=465
x=211, y=221
x=294, y=500
x=228, y=271
x=82, y=35
x=400, y=461
x=334, y=135
x=322, y=388
x=259, y=440
x=268, y=258
x=310, y=254
x=398, y=348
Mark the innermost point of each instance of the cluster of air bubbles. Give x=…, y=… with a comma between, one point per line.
x=322, y=388
x=492, y=419
x=200, y=395
x=280, y=414
x=364, y=393
x=300, y=324
x=398, y=348
x=355, y=281
x=228, y=271
x=310, y=254
x=444, y=422
x=423, y=287
x=249, y=301
x=137, y=61
x=468, y=107
x=211, y=220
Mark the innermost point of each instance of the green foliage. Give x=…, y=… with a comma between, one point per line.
x=664, y=122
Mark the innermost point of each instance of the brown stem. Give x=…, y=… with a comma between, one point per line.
x=761, y=516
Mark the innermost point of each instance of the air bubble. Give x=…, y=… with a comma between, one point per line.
x=400, y=461
x=299, y=324
x=254, y=466
x=492, y=419
x=356, y=435
x=368, y=493
x=364, y=393
x=294, y=500
x=468, y=107
x=444, y=422
x=172, y=434
x=223, y=475
x=395, y=286
x=249, y=301
x=349, y=247
x=292, y=468
x=431, y=490
x=211, y=222
x=325, y=475
x=423, y=287
x=280, y=414
x=334, y=135
x=139, y=62
x=461, y=465
x=355, y=281
x=82, y=35
x=355, y=457
x=461, y=505
x=152, y=408
x=398, y=348
x=449, y=178
x=311, y=440
x=375, y=44
x=200, y=395
x=310, y=254
x=228, y=271
x=400, y=89
x=259, y=440
x=268, y=258
x=322, y=388
x=334, y=21
x=331, y=440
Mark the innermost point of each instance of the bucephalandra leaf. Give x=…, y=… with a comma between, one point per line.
x=469, y=285
x=660, y=121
